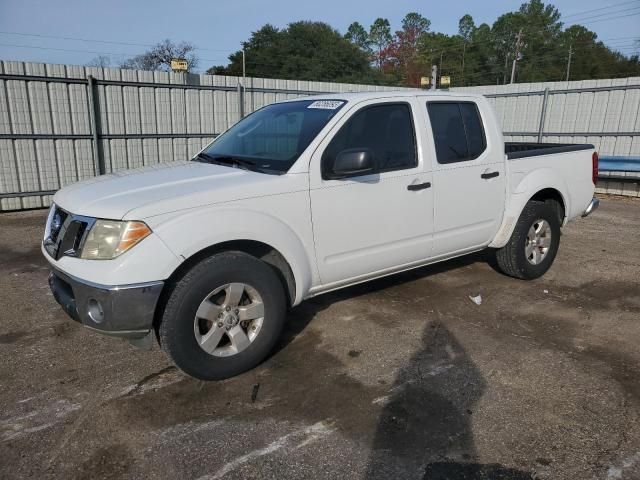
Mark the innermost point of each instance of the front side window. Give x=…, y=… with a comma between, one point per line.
x=457, y=131
x=271, y=139
x=386, y=130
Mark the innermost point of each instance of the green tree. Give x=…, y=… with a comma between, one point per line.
x=540, y=57
x=357, y=35
x=466, y=27
x=415, y=24
x=477, y=55
x=481, y=58
x=380, y=36
x=303, y=51
x=591, y=58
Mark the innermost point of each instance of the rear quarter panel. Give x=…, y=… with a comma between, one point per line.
x=569, y=173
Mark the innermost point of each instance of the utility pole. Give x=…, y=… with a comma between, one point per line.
x=464, y=46
x=515, y=58
x=506, y=65
x=434, y=76
x=569, y=62
x=244, y=68
x=244, y=83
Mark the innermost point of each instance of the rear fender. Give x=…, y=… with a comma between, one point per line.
x=526, y=188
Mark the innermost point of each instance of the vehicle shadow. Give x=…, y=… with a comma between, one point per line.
x=424, y=429
x=299, y=317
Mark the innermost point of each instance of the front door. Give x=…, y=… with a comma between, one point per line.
x=368, y=224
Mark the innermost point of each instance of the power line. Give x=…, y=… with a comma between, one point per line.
x=584, y=17
x=605, y=16
x=497, y=69
x=598, y=9
x=448, y=49
x=605, y=19
x=38, y=35
x=234, y=50
x=120, y=54
x=123, y=54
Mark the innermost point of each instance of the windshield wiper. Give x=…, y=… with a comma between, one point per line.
x=235, y=161
x=206, y=157
x=227, y=160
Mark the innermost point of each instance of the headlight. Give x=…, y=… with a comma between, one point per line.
x=109, y=238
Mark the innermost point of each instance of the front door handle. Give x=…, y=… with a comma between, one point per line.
x=486, y=176
x=418, y=186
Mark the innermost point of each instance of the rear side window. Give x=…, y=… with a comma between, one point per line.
x=386, y=129
x=457, y=131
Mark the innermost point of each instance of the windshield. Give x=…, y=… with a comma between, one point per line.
x=271, y=139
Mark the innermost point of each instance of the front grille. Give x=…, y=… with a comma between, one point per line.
x=66, y=233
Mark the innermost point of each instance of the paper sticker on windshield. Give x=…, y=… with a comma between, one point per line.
x=326, y=104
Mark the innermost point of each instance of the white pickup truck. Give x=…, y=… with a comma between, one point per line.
x=299, y=198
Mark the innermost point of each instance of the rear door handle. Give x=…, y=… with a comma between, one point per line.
x=418, y=186
x=489, y=175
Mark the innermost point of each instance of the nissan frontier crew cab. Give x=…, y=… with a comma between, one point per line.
x=299, y=198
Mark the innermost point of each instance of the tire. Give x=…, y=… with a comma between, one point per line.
x=514, y=258
x=186, y=321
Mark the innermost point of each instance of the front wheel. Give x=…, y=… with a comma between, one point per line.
x=533, y=244
x=223, y=317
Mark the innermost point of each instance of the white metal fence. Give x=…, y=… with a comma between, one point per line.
x=605, y=113
x=62, y=123
x=602, y=112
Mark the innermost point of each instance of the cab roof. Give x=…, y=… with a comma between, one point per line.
x=362, y=96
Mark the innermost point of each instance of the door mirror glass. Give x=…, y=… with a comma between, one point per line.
x=353, y=162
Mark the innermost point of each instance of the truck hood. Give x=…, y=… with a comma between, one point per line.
x=162, y=188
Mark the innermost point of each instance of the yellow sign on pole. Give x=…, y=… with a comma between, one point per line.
x=179, y=65
x=424, y=81
x=445, y=81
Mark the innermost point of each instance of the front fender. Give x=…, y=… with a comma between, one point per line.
x=190, y=232
x=527, y=186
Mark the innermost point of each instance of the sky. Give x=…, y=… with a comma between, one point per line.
x=218, y=27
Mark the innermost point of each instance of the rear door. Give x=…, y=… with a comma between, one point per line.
x=468, y=177
x=383, y=220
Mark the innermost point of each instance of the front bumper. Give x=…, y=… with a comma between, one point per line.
x=123, y=310
x=593, y=205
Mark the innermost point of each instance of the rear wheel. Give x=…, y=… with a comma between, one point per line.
x=223, y=317
x=533, y=244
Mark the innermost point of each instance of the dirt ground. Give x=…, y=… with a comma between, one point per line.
x=404, y=377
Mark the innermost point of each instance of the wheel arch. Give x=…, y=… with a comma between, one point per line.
x=263, y=251
x=543, y=185
x=191, y=236
x=553, y=195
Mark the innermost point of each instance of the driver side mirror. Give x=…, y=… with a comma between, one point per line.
x=352, y=162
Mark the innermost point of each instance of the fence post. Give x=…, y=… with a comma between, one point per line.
x=543, y=114
x=94, y=116
x=240, y=90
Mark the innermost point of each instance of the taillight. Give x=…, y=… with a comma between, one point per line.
x=594, y=166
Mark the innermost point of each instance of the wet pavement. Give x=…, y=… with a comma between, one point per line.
x=404, y=377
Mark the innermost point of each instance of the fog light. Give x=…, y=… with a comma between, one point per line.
x=95, y=311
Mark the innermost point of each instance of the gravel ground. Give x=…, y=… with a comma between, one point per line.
x=403, y=377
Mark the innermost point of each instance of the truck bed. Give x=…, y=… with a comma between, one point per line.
x=515, y=150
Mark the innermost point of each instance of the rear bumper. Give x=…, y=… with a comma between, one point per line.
x=120, y=310
x=593, y=205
